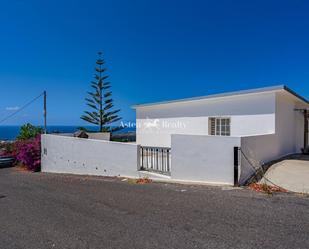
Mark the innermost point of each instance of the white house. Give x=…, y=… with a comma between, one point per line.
x=219, y=139
x=266, y=123
x=270, y=110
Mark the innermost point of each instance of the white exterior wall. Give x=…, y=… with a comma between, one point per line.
x=62, y=154
x=288, y=137
x=251, y=114
x=203, y=158
x=258, y=150
x=289, y=124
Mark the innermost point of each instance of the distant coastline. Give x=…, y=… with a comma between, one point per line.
x=8, y=133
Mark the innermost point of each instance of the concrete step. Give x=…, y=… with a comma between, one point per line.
x=152, y=175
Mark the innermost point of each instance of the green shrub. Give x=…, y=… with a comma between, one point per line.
x=29, y=131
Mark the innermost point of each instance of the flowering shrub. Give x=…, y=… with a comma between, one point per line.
x=26, y=149
x=28, y=153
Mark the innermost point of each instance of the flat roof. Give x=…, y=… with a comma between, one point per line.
x=227, y=94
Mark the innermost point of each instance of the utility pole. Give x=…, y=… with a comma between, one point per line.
x=305, y=128
x=45, y=113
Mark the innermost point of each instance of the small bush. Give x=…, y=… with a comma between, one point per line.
x=29, y=131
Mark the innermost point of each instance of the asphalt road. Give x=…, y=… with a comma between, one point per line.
x=39, y=210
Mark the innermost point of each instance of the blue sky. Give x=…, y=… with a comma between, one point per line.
x=155, y=50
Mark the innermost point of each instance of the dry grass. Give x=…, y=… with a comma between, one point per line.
x=265, y=188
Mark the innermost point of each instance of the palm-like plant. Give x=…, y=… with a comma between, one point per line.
x=100, y=101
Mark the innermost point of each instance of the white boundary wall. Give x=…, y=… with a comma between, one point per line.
x=258, y=150
x=211, y=158
x=91, y=135
x=203, y=158
x=62, y=154
x=194, y=158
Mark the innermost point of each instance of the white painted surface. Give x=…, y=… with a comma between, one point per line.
x=203, y=158
x=251, y=114
x=61, y=154
x=289, y=124
x=258, y=150
x=288, y=137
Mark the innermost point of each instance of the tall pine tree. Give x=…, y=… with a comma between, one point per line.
x=100, y=100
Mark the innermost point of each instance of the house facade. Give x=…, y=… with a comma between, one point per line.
x=217, y=139
x=222, y=138
x=272, y=110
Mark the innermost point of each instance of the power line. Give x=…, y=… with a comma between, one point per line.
x=22, y=108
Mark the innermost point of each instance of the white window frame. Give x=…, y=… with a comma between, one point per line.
x=222, y=126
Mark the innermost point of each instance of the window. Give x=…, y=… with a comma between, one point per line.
x=219, y=126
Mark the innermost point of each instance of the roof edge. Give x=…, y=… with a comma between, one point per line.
x=295, y=94
x=227, y=94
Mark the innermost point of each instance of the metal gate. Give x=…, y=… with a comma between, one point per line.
x=156, y=159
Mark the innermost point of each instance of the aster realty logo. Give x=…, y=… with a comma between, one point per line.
x=151, y=123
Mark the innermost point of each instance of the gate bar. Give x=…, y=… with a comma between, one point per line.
x=236, y=165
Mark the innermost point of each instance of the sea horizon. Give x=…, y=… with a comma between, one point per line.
x=10, y=132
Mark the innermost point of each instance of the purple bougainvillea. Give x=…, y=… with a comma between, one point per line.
x=28, y=153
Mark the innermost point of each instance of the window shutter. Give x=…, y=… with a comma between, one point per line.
x=212, y=126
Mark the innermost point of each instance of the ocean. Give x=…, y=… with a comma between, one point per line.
x=11, y=132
